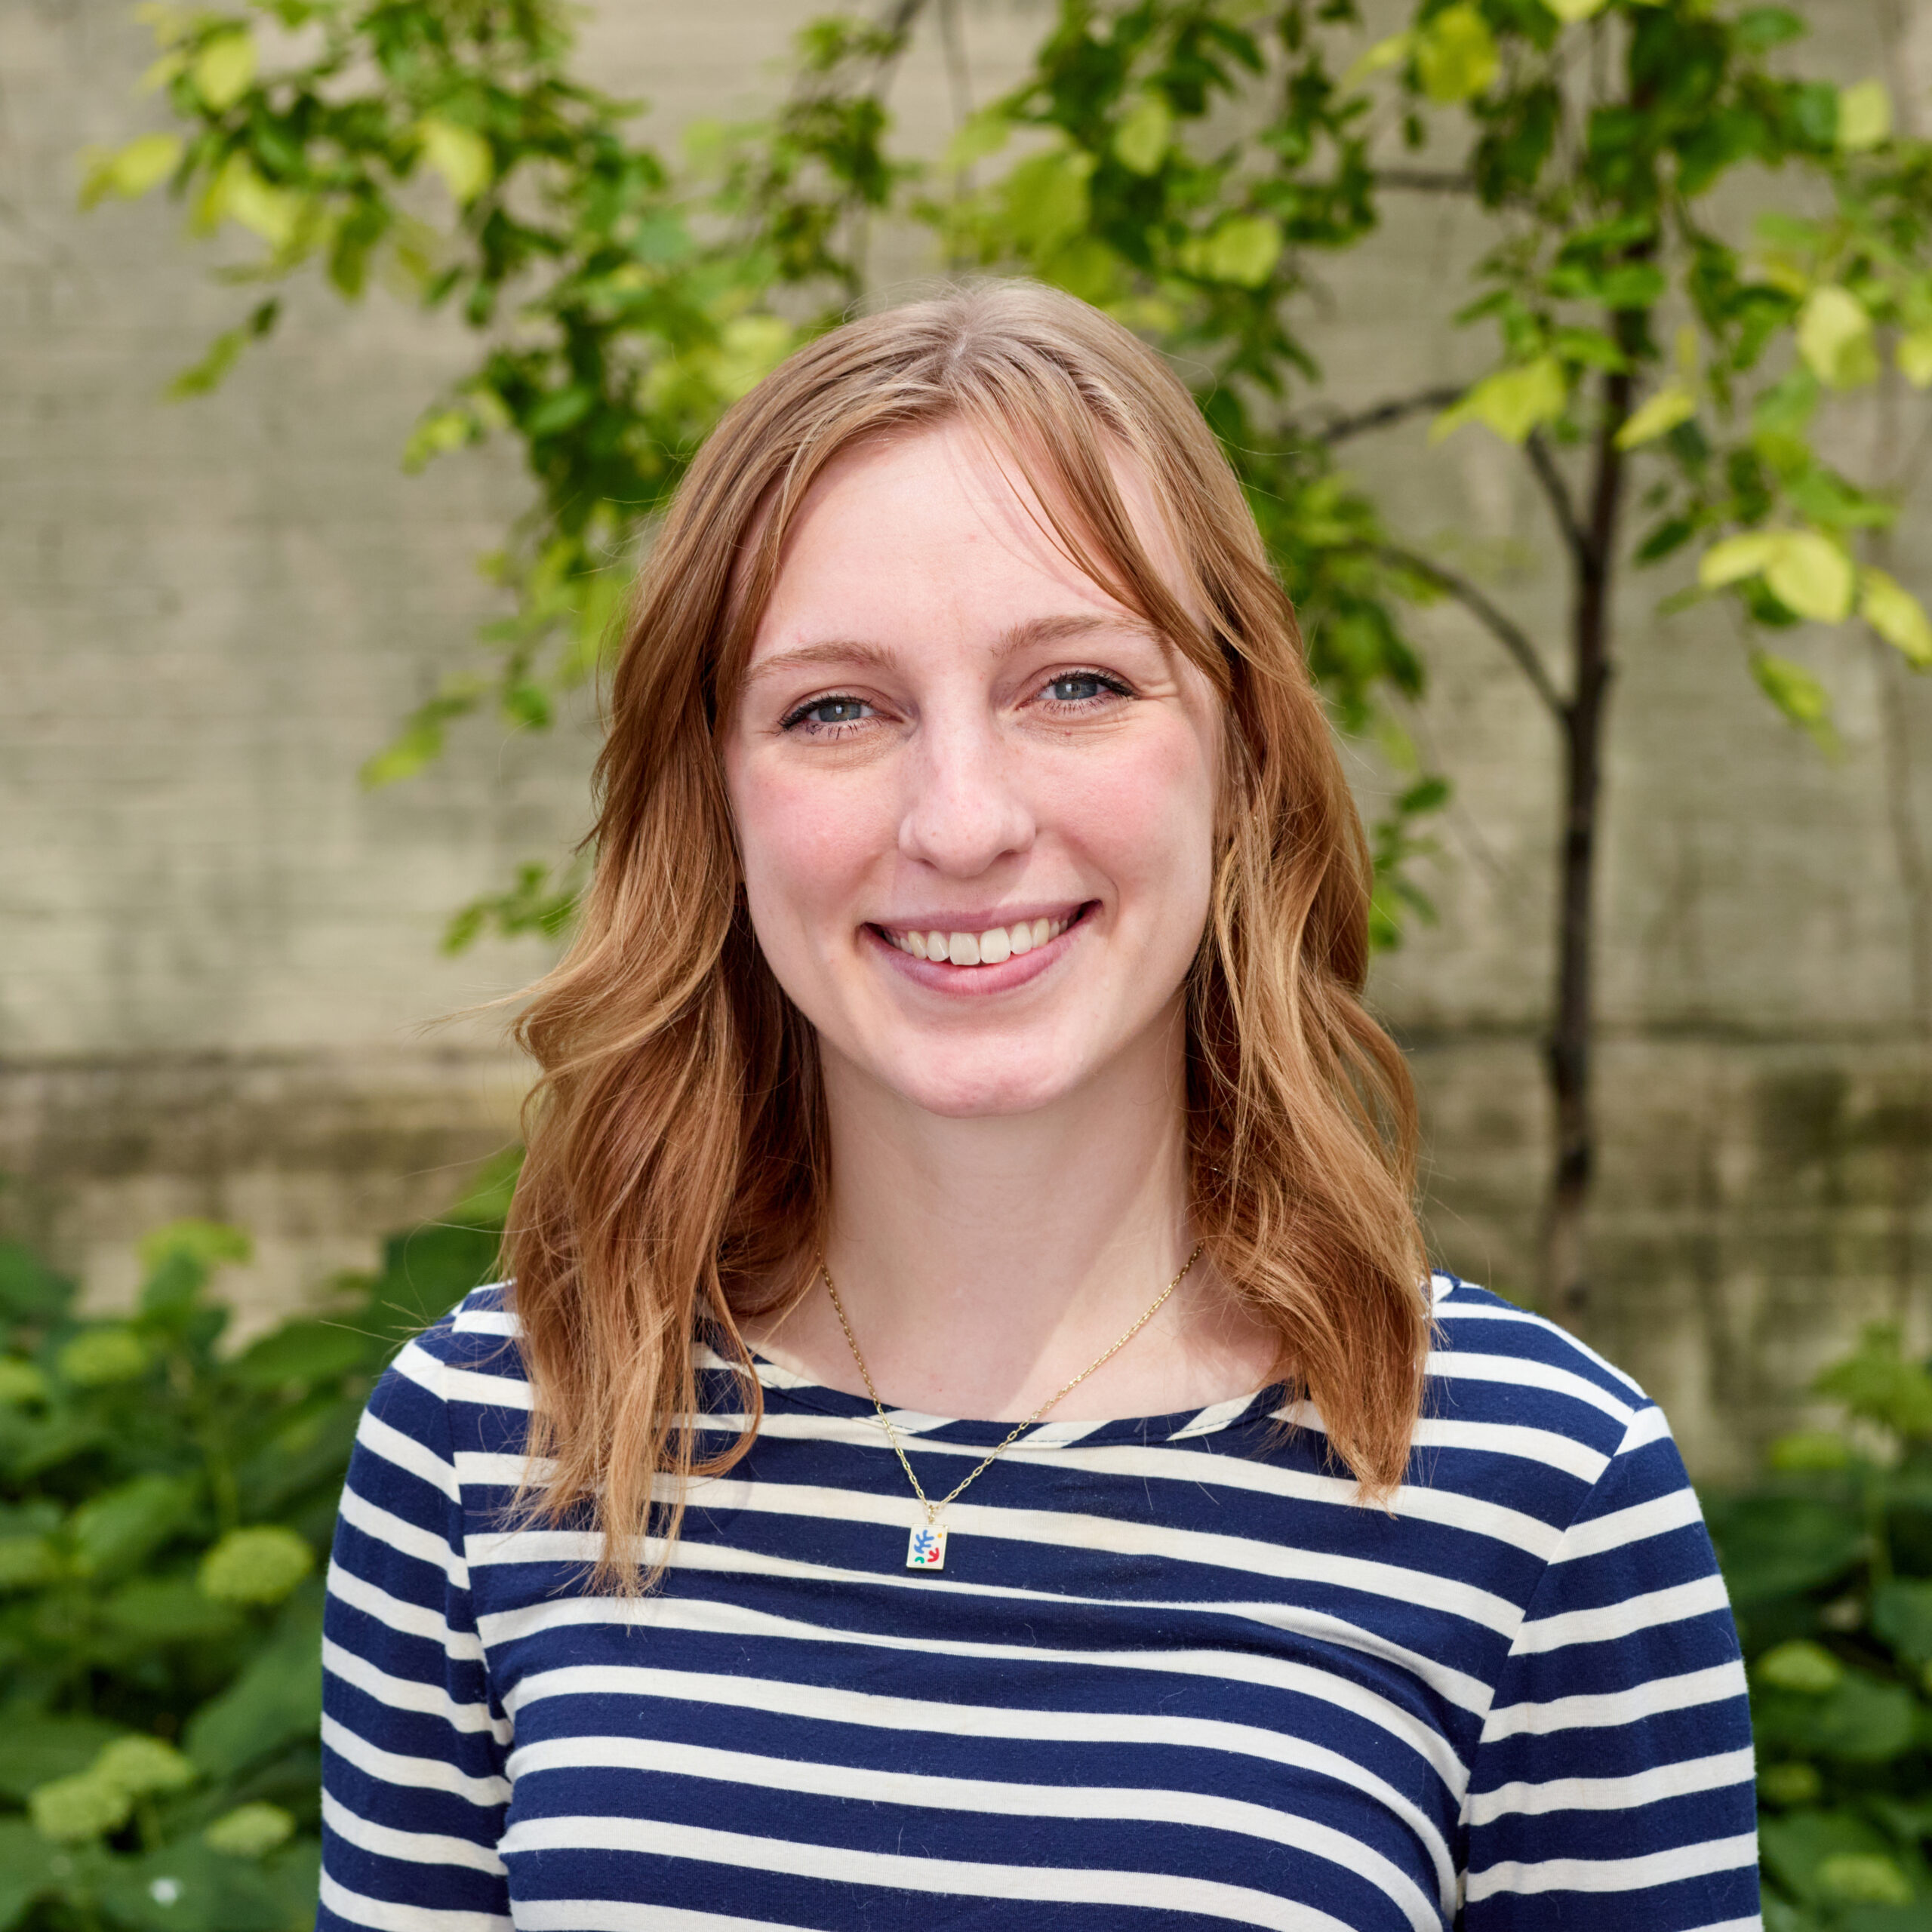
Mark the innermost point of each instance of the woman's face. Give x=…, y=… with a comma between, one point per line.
x=974, y=795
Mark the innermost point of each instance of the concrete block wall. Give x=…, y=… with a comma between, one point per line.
x=217, y=954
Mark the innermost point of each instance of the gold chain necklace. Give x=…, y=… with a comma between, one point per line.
x=925, y=1548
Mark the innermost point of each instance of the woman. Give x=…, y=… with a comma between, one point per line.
x=965, y=1022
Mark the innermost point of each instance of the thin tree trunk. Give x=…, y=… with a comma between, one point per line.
x=1565, y=1282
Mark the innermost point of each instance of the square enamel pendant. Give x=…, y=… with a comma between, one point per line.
x=925, y=1548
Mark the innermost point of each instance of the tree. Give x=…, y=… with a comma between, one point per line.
x=1186, y=162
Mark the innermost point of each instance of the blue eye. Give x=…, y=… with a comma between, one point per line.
x=1083, y=687
x=824, y=713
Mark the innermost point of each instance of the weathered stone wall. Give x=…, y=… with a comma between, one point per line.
x=217, y=953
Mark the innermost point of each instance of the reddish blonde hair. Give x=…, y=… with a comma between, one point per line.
x=675, y=1175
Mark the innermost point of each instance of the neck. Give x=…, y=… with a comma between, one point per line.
x=984, y=1262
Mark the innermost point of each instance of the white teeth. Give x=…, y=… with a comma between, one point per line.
x=991, y=948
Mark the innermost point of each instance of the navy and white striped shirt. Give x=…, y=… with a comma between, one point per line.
x=1172, y=1676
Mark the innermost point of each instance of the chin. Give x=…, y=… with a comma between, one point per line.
x=978, y=1092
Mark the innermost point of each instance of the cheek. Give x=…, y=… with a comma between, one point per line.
x=804, y=845
x=1149, y=818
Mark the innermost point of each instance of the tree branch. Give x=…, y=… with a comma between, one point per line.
x=1498, y=622
x=1543, y=462
x=1427, y=180
x=1340, y=428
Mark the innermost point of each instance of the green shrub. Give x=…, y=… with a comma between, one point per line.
x=1829, y=1559
x=165, y=1510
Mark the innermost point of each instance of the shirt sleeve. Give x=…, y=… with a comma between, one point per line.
x=414, y=1740
x=1613, y=1785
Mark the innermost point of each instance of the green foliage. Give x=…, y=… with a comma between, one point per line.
x=164, y=1505
x=1828, y=1561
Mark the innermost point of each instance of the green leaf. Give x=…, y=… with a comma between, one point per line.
x=979, y=135
x=1902, y=1615
x=1896, y=615
x=459, y=155
x=115, y=1531
x=97, y=1357
x=29, y=1290
x=1914, y=356
x=304, y=1352
x=1456, y=55
x=142, y=1766
x=250, y=1831
x=1774, y=1545
x=1141, y=140
x=256, y=1566
x=1800, y=1666
x=1861, y=1721
x=1796, y=693
x=1045, y=198
x=41, y=1749
x=168, y=1609
x=1865, y=116
x=1389, y=53
x=72, y=1811
x=1657, y=416
x=1242, y=249
x=224, y=70
x=1834, y=338
x=130, y=173
x=1878, y=1384
x=29, y=1865
x=1511, y=402
x=1570, y=11
x=1760, y=28
x=277, y=1700
x=1811, y=575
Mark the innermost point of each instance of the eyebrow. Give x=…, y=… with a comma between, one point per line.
x=1033, y=632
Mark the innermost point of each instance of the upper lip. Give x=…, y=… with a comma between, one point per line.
x=978, y=921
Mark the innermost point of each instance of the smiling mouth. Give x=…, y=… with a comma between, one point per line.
x=993, y=947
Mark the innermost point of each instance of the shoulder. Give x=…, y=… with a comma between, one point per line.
x=461, y=1381
x=1516, y=1403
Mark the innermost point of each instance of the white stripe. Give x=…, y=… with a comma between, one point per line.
x=1675, y=1511
x=1647, y=1425
x=1461, y=1364
x=399, y=1614
x=1612, y=1622
x=407, y=1538
x=487, y=1322
x=1216, y=1417
x=482, y=1468
x=1456, y=1686
x=1720, y=1683
x=1161, y=1462
x=417, y=1774
x=1476, y=1312
x=911, y=1716
x=956, y=1877
x=1616, y=1875
x=410, y=1693
x=626, y=1916
x=534, y=1620
x=448, y=1383
x=1647, y=1787
x=411, y=1847
x=1065, y=1529
x=987, y=1797
x=1543, y=1447
x=405, y=1453
x=387, y=1915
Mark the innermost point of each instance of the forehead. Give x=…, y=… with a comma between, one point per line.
x=943, y=523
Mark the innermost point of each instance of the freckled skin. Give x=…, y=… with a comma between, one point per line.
x=964, y=777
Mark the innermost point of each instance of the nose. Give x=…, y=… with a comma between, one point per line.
x=964, y=811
